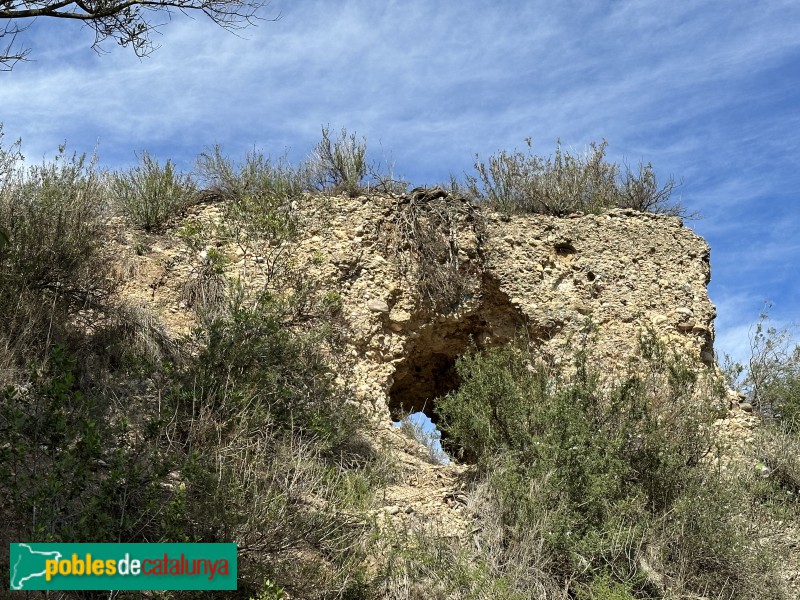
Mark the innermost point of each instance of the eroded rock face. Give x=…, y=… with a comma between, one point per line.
x=427, y=367
x=623, y=270
x=421, y=278
x=552, y=278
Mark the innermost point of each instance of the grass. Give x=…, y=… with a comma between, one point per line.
x=419, y=428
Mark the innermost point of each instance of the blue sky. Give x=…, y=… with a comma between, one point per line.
x=708, y=91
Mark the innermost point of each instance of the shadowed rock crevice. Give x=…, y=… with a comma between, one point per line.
x=428, y=370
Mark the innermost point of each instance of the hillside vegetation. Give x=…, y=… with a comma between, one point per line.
x=582, y=483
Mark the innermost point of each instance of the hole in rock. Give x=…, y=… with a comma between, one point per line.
x=564, y=249
x=419, y=427
x=428, y=370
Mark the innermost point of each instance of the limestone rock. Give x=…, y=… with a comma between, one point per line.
x=378, y=306
x=623, y=273
x=384, y=260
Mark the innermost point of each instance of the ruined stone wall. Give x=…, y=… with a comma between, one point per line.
x=548, y=276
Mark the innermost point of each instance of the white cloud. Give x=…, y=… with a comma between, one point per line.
x=410, y=70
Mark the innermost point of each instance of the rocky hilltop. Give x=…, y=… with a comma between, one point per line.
x=422, y=276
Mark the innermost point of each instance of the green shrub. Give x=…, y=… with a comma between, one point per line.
x=258, y=179
x=604, y=588
x=771, y=377
x=339, y=165
x=69, y=470
x=525, y=426
x=259, y=214
x=706, y=541
x=521, y=182
x=270, y=592
x=150, y=194
x=207, y=290
x=75, y=468
x=53, y=214
x=265, y=438
x=784, y=395
x=52, y=270
x=600, y=478
x=243, y=438
x=332, y=304
x=237, y=434
x=250, y=358
x=776, y=451
x=771, y=382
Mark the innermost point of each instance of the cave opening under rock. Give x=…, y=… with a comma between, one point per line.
x=428, y=370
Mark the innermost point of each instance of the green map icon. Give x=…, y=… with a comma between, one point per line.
x=122, y=566
x=27, y=564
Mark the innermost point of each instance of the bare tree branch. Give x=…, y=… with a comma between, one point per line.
x=9, y=54
x=129, y=22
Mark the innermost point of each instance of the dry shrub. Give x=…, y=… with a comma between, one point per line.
x=53, y=274
x=522, y=182
x=339, y=165
x=259, y=214
x=777, y=454
x=427, y=562
x=427, y=225
x=206, y=290
x=149, y=194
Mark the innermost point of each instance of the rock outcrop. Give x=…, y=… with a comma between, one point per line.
x=421, y=277
x=549, y=278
